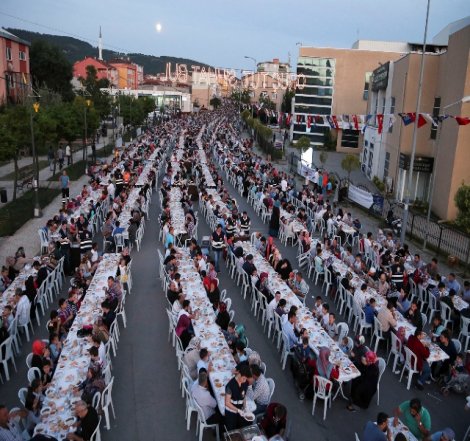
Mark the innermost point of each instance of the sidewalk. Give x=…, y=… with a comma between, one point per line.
x=369, y=223
x=44, y=173
x=27, y=236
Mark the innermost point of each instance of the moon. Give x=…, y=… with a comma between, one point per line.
x=158, y=27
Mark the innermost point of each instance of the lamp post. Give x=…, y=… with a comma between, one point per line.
x=35, y=109
x=465, y=99
x=256, y=68
x=415, y=130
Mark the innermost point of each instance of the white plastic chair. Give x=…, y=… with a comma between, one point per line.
x=395, y=350
x=377, y=334
x=322, y=389
x=285, y=351
x=119, y=241
x=202, y=423
x=33, y=374
x=22, y=395
x=382, y=366
x=44, y=241
x=96, y=435
x=272, y=386
x=106, y=402
x=343, y=330
x=6, y=347
x=190, y=402
x=465, y=331
x=446, y=314
x=457, y=344
x=29, y=360
x=95, y=401
x=410, y=365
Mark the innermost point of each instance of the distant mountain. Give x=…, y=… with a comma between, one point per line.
x=75, y=49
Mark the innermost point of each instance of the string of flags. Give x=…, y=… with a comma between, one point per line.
x=358, y=122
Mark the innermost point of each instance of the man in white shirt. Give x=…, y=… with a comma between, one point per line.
x=206, y=401
x=23, y=307
x=360, y=296
x=288, y=329
x=272, y=305
x=283, y=185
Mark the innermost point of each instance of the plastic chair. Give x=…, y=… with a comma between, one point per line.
x=6, y=354
x=119, y=242
x=322, y=389
x=343, y=330
x=96, y=435
x=285, y=351
x=202, y=423
x=272, y=386
x=95, y=401
x=33, y=374
x=377, y=334
x=22, y=395
x=357, y=436
x=29, y=360
x=457, y=344
x=190, y=402
x=411, y=365
x=446, y=314
x=382, y=365
x=395, y=350
x=106, y=402
x=465, y=331
x=44, y=241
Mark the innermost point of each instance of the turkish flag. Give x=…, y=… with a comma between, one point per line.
x=421, y=121
x=462, y=120
x=380, y=122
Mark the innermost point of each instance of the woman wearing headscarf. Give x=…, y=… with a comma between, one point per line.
x=94, y=382
x=269, y=247
x=359, y=350
x=214, y=292
x=223, y=317
x=262, y=286
x=284, y=268
x=40, y=353
x=323, y=367
x=363, y=388
x=274, y=221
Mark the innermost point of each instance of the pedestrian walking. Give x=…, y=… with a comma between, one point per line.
x=60, y=156
x=93, y=152
x=50, y=158
x=68, y=154
x=64, y=185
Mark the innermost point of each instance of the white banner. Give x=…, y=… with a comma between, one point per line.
x=360, y=196
x=304, y=170
x=139, y=131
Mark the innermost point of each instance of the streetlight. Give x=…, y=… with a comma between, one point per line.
x=35, y=107
x=415, y=130
x=256, y=68
x=465, y=99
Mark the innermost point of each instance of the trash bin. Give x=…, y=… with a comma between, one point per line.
x=3, y=196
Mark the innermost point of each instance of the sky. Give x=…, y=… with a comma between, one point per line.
x=222, y=33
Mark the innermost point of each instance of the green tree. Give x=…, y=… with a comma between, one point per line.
x=50, y=68
x=215, y=102
x=323, y=157
x=93, y=85
x=242, y=96
x=286, y=105
x=462, y=201
x=303, y=143
x=350, y=163
x=329, y=141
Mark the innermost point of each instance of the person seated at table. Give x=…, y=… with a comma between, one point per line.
x=359, y=350
x=200, y=262
x=55, y=346
x=184, y=329
x=466, y=291
x=262, y=286
x=415, y=417
x=5, y=281
x=281, y=308
x=451, y=283
x=420, y=348
x=231, y=335
x=360, y=296
x=369, y=311
x=235, y=397
x=325, y=315
x=248, y=266
x=207, y=403
x=108, y=315
x=100, y=330
x=284, y=269
x=377, y=431
x=413, y=315
x=259, y=390
x=275, y=420
x=40, y=354
x=299, y=286
x=386, y=317
x=87, y=423
x=113, y=292
x=359, y=266
x=223, y=317
x=6, y=319
x=403, y=302
x=289, y=330
x=436, y=326
x=33, y=404
x=203, y=362
x=345, y=346
x=322, y=366
x=191, y=356
x=363, y=388
x=94, y=382
x=331, y=327
x=442, y=368
x=240, y=354
x=17, y=262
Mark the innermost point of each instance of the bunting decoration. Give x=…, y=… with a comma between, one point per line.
x=462, y=120
x=380, y=122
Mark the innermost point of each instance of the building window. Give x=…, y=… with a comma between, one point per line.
x=387, y=164
x=366, y=143
x=435, y=113
x=365, y=94
x=9, y=53
x=350, y=138
x=383, y=106
x=392, y=111
x=302, y=99
x=22, y=56
x=9, y=81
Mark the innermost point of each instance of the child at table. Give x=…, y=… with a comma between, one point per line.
x=344, y=345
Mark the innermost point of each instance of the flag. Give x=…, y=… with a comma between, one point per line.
x=366, y=122
x=335, y=121
x=346, y=122
x=380, y=122
x=408, y=118
x=288, y=119
x=462, y=120
x=329, y=118
x=309, y=121
x=391, y=120
x=279, y=120
x=298, y=119
x=319, y=119
x=356, y=122
x=430, y=119
x=421, y=121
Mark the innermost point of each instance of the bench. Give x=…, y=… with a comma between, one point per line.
x=25, y=178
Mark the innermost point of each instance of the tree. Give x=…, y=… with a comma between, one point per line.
x=329, y=141
x=243, y=96
x=50, y=68
x=286, y=105
x=215, y=102
x=323, y=157
x=93, y=85
x=462, y=201
x=350, y=163
x=303, y=143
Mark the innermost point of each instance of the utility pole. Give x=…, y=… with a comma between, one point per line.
x=35, y=109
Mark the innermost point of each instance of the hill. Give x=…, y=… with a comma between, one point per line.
x=75, y=49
